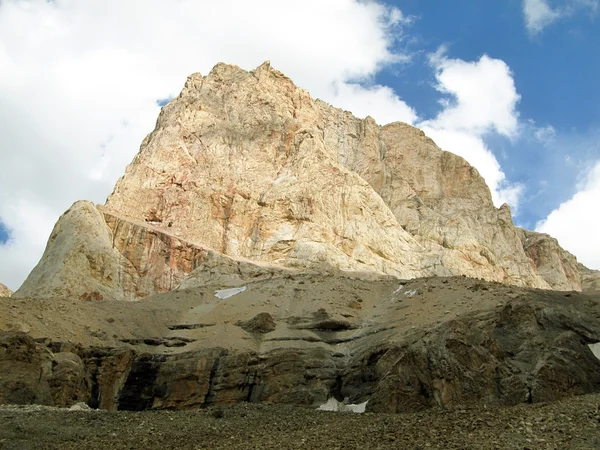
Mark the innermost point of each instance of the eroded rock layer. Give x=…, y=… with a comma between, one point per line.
x=303, y=339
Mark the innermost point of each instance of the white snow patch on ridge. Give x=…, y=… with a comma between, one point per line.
x=226, y=293
x=595, y=348
x=398, y=290
x=334, y=405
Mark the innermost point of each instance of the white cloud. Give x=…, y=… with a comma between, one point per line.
x=545, y=135
x=377, y=101
x=483, y=100
x=539, y=14
x=79, y=82
x=575, y=222
x=483, y=95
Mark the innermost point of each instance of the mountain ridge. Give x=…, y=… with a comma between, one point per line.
x=250, y=166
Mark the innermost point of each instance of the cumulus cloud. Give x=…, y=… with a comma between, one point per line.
x=481, y=99
x=376, y=101
x=79, y=84
x=539, y=14
x=575, y=222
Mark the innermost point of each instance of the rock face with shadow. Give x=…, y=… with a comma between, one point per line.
x=400, y=346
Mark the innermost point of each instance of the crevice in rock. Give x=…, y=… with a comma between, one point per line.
x=190, y=326
x=138, y=391
x=213, y=380
x=167, y=342
x=329, y=325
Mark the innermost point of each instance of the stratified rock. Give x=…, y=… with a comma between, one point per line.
x=94, y=255
x=444, y=343
x=4, y=291
x=31, y=374
x=521, y=353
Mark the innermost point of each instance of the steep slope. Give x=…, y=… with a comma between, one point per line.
x=270, y=174
x=247, y=165
x=94, y=255
x=590, y=279
x=557, y=266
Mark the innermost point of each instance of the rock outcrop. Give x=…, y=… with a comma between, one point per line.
x=4, y=291
x=590, y=279
x=244, y=169
x=95, y=255
x=556, y=266
x=30, y=373
x=302, y=340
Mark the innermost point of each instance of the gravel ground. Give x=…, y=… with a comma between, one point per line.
x=570, y=424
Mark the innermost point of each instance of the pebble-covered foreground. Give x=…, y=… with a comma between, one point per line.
x=570, y=424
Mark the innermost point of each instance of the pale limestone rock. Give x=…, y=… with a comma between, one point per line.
x=272, y=175
x=94, y=255
x=4, y=291
x=80, y=261
x=590, y=279
x=558, y=267
x=246, y=176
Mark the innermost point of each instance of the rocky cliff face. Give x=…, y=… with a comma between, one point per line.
x=555, y=265
x=303, y=339
x=4, y=291
x=95, y=255
x=246, y=165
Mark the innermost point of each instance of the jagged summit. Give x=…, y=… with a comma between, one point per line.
x=245, y=166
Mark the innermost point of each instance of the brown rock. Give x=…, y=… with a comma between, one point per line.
x=31, y=374
x=261, y=323
x=414, y=344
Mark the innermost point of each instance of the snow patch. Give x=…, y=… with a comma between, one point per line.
x=334, y=405
x=595, y=348
x=398, y=290
x=411, y=293
x=226, y=293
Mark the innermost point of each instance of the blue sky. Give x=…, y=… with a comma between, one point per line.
x=511, y=85
x=555, y=72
